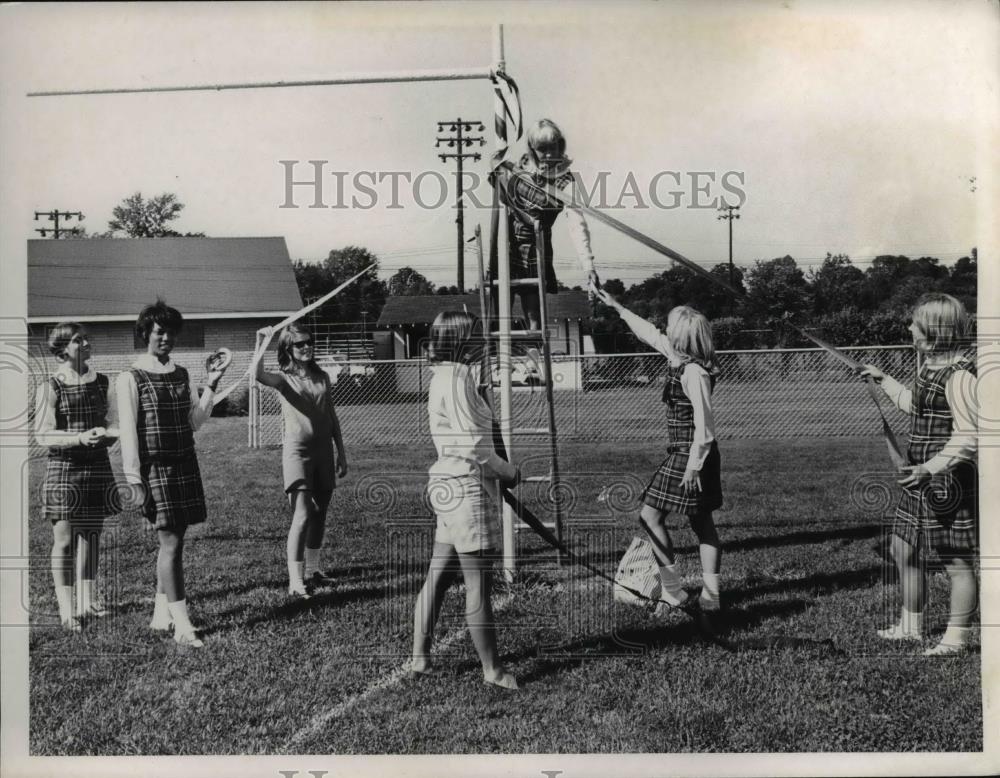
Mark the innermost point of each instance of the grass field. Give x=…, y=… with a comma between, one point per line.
x=800, y=558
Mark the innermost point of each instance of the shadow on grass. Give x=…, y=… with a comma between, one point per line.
x=733, y=620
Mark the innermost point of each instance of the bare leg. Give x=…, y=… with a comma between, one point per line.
x=653, y=521
x=911, y=575
x=295, y=546
x=477, y=570
x=440, y=575
x=62, y=571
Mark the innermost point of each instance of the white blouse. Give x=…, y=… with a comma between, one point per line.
x=128, y=408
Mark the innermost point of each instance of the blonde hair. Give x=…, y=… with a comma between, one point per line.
x=546, y=132
x=943, y=320
x=690, y=335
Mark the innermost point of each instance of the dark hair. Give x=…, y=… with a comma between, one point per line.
x=287, y=363
x=61, y=335
x=454, y=337
x=158, y=313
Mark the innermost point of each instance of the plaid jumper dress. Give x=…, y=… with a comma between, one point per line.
x=168, y=465
x=523, y=191
x=79, y=485
x=664, y=491
x=943, y=511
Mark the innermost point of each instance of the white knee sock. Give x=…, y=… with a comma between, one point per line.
x=64, y=597
x=86, y=594
x=672, y=592
x=161, y=614
x=710, y=588
x=295, y=571
x=911, y=622
x=179, y=613
x=312, y=561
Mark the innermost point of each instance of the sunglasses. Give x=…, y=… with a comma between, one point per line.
x=301, y=343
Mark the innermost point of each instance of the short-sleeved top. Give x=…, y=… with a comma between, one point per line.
x=307, y=409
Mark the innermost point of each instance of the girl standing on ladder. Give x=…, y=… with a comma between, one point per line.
x=522, y=188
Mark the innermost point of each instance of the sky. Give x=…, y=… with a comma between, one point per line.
x=859, y=128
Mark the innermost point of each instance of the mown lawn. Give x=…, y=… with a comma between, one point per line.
x=801, y=558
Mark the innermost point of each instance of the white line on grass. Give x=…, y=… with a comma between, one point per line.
x=321, y=720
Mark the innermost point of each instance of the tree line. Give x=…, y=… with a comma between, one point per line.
x=837, y=300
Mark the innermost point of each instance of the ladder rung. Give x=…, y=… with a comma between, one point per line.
x=520, y=282
x=535, y=479
x=532, y=431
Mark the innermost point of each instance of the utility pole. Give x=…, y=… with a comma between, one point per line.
x=460, y=141
x=55, y=216
x=729, y=216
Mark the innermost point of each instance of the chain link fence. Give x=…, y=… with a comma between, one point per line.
x=786, y=393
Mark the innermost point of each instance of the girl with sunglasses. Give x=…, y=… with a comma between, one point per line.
x=308, y=464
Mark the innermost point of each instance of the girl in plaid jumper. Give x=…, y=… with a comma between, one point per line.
x=158, y=412
x=522, y=187
x=79, y=490
x=938, y=507
x=688, y=482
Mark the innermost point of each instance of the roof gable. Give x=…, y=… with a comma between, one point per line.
x=118, y=276
x=421, y=309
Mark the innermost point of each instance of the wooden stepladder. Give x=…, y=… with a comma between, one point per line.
x=541, y=336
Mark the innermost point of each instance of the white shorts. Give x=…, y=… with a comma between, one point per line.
x=467, y=510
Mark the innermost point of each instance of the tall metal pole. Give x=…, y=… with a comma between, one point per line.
x=503, y=316
x=729, y=215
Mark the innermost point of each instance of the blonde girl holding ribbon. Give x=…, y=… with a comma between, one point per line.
x=688, y=482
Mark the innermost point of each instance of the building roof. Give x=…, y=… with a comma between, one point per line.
x=421, y=309
x=109, y=279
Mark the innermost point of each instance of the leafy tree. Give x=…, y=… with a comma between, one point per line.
x=141, y=218
x=363, y=299
x=837, y=285
x=407, y=281
x=777, y=289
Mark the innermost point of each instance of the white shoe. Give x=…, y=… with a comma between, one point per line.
x=188, y=639
x=896, y=632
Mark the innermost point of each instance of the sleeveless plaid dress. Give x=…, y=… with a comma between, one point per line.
x=79, y=485
x=523, y=191
x=168, y=465
x=943, y=512
x=664, y=491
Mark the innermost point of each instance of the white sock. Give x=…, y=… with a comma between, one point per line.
x=312, y=561
x=179, y=613
x=64, y=596
x=955, y=636
x=86, y=594
x=672, y=592
x=710, y=586
x=161, y=614
x=295, y=571
x=911, y=622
